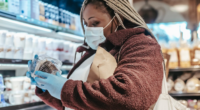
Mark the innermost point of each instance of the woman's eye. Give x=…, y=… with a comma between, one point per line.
x=95, y=24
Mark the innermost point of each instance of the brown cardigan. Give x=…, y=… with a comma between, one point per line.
x=135, y=85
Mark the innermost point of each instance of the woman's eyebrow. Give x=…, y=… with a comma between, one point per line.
x=90, y=17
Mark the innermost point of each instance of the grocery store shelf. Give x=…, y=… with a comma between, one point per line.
x=197, y=68
x=10, y=64
x=22, y=106
x=14, y=66
x=10, y=21
x=185, y=95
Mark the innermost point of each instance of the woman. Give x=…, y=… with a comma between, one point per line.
x=136, y=82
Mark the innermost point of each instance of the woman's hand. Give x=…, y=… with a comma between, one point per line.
x=52, y=83
x=31, y=67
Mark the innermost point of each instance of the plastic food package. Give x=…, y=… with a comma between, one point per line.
x=19, y=40
x=179, y=85
x=3, y=36
x=46, y=64
x=193, y=85
x=170, y=84
x=2, y=52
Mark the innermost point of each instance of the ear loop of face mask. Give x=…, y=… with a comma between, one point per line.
x=88, y=46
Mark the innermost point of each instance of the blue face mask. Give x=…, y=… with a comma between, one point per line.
x=95, y=35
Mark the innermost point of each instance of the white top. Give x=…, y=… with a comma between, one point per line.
x=82, y=72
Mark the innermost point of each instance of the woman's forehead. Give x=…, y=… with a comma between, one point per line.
x=92, y=11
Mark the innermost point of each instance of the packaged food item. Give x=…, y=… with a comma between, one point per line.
x=41, y=48
x=173, y=52
x=9, y=39
x=53, y=15
x=29, y=41
x=26, y=84
x=61, y=17
x=46, y=64
x=185, y=76
x=55, y=55
x=56, y=16
x=18, y=53
x=67, y=19
x=28, y=50
x=25, y=8
x=9, y=52
x=49, y=44
x=42, y=11
x=79, y=27
x=73, y=22
x=3, y=36
x=184, y=55
x=35, y=9
x=192, y=104
x=4, y=5
x=179, y=85
x=2, y=52
x=47, y=8
x=14, y=6
x=16, y=97
x=17, y=83
x=170, y=84
x=19, y=40
x=35, y=46
x=196, y=50
x=184, y=102
x=193, y=85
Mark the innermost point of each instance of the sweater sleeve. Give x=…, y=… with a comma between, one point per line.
x=48, y=99
x=135, y=85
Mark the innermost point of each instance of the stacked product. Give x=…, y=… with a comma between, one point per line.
x=25, y=46
x=42, y=11
x=183, y=54
x=186, y=83
x=18, y=90
x=192, y=104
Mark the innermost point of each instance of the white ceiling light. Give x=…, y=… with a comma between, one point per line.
x=71, y=36
x=25, y=24
x=179, y=8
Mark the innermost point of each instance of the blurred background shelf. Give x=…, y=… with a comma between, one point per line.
x=185, y=95
x=22, y=106
x=196, y=68
x=14, y=63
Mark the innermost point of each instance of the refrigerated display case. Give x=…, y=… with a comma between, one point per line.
x=29, y=27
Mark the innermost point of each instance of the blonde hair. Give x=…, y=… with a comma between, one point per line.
x=121, y=8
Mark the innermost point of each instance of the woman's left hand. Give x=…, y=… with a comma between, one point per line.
x=52, y=83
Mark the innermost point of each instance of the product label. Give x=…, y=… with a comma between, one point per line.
x=184, y=55
x=25, y=8
x=191, y=86
x=179, y=87
x=197, y=54
x=4, y=5
x=14, y=6
x=173, y=56
x=169, y=86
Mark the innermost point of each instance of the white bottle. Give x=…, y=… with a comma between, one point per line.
x=14, y=6
x=25, y=8
x=35, y=9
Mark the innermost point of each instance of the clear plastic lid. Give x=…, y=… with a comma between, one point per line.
x=46, y=64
